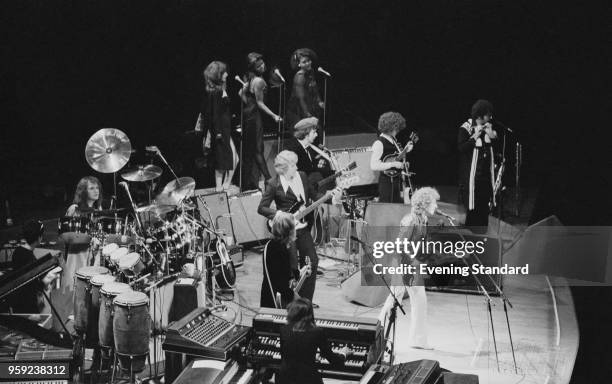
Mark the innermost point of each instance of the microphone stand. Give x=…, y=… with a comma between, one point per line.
x=127, y=189
x=163, y=159
x=281, y=127
x=486, y=296
x=324, y=107
x=396, y=303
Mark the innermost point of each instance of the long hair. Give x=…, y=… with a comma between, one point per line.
x=302, y=52
x=252, y=59
x=213, y=75
x=80, y=194
x=300, y=315
x=283, y=228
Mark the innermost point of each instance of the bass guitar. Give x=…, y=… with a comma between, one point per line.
x=400, y=156
x=317, y=225
x=305, y=272
x=300, y=212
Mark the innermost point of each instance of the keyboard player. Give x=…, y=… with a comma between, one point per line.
x=299, y=341
x=29, y=298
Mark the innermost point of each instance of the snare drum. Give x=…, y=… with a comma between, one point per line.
x=132, y=326
x=131, y=264
x=108, y=292
x=74, y=229
x=82, y=296
x=117, y=254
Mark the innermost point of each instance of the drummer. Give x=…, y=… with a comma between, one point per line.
x=87, y=198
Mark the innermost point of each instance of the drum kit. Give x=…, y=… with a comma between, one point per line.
x=137, y=248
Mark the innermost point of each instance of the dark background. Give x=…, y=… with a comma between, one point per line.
x=70, y=68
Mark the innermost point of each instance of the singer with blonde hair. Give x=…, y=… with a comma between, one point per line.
x=413, y=227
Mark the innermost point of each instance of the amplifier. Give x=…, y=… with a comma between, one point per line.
x=218, y=205
x=248, y=224
x=360, y=155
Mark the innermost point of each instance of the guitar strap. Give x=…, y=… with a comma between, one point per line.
x=265, y=255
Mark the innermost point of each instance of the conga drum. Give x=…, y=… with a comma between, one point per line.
x=82, y=295
x=108, y=292
x=132, y=327
x=94, y=310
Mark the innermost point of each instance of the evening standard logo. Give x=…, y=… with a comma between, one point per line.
x=413, y=248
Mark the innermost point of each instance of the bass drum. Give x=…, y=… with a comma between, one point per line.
x=220, y=260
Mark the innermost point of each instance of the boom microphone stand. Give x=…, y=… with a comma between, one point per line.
x=487, y=297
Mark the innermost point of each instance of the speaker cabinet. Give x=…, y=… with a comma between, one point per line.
x=218, y=205
x=248, y=225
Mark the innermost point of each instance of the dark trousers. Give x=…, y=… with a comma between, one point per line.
x=253, y=153
x=478, y=218
x=389, y=189
x=304, y=246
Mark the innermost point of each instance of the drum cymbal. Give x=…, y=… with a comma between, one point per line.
x=142, y=173
x=108, y=150
x=176, y=190
x=156, y=209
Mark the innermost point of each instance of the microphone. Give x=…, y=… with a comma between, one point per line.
x=277, y=73
x=441, y=213
x=124, y=185
x=502, y=125
x=238, y=79
x=324, y=72
x=151, y=148
x=323, y=148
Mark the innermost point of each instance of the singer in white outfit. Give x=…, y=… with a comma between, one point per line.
x=414, y=228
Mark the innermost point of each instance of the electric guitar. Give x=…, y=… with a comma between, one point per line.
x=394, y=172
x=299, y=211
x=305, y=272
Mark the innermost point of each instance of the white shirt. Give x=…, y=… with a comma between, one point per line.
x=296, y=186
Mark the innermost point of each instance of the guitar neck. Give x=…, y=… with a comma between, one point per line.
x=300, y=215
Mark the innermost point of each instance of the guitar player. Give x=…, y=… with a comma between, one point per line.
x=389, y=125
x=286, y=189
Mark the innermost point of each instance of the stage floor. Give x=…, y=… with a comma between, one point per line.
x=542, y=320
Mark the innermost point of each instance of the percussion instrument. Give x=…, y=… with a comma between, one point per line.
x=111, y=225
x=97, y=282
x=82, y=295
x=131, y=264
x=108, y=150
x=94, y=310
x=108, y=292
x=74, y=229
x=118, y=254
x=175, y=191
x=108, y=249
x=142, y=173
x=131, y=327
